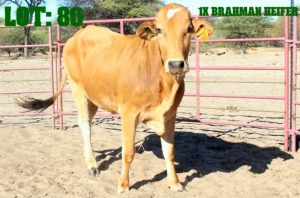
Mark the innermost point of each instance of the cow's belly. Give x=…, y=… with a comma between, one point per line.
x=99, y=87
x=103, y=99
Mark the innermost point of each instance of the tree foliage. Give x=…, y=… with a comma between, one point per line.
x=278, y=30
x=15, y=36
x=110, y=9
x=116, y=9
x=129, y=8
x=27, y=3
x=1, y=21
x=243, y=27
x=2, y=2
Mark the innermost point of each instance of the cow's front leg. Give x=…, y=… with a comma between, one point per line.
x=129, y=124
x=167, y=142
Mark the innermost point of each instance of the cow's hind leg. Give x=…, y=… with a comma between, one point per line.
x=129, y=124
x=167, y=142
x=86, y=112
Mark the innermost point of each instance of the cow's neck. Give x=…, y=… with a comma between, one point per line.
x=171, y=92
x=169, y=88
x=167, y=98
x=170, y=96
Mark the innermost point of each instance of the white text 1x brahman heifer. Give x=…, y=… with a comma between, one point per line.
x=141, y=77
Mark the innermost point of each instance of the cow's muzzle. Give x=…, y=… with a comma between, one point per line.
x=176, y=67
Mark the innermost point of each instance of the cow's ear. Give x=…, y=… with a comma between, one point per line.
x=201, y=26
x=147, y=30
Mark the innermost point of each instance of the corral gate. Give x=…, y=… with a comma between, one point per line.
x=290, y=130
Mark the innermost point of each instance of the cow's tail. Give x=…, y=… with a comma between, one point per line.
x=33, y=104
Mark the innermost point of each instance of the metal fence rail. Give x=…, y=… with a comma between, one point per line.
x=290, y=132
x=50, y=68
x=285, y=95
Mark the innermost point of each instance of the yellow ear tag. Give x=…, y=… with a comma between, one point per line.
x=202, y=34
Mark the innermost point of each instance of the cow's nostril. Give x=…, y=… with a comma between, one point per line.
x=181, y=64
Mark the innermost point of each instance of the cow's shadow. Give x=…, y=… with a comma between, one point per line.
x=203, y=154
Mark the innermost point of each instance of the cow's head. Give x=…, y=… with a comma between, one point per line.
x=172, y=29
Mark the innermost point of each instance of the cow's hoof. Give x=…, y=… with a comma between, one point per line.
x=93, y=171
x=122, y=189
x=176, y=187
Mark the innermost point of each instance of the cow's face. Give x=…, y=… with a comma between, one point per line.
x=172, y=29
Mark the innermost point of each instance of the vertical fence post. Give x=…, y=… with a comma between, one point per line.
x=291, y=75
x=51, y=73
x=291, y=62
x=293, y=87
x=58, y=79
x=197, y=51
x=287, y=86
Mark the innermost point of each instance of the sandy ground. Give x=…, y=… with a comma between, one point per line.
x=211, y=160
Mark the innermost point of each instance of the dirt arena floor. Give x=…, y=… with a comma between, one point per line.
x=211, y=160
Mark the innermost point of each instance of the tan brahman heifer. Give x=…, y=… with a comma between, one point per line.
x=141, y=77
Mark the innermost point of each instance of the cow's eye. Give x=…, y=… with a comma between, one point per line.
x=158, y=31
